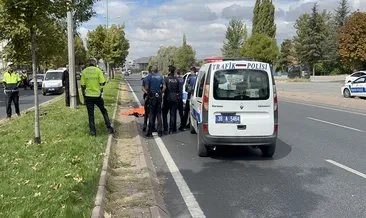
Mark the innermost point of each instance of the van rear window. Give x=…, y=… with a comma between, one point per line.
x=241, y=84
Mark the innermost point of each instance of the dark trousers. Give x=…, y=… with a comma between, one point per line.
x=12, y=97
x=165, y=111
x=67, y=96
x=173, y=106
x=155, y=113
x=146, y=115
x=99, y=102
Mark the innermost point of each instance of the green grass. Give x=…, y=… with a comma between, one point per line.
x=59, y=177
x=292, y=80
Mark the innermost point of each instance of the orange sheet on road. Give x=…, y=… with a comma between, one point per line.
x=137, y=112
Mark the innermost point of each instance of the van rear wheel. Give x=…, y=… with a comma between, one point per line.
x=268, y=150
x=202, y=150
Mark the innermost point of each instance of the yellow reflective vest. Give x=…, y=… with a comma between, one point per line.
x=11, y=80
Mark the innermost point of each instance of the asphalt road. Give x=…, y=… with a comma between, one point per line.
x=26, y=100
x=318, y=169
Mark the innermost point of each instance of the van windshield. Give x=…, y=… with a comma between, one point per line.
x=53, y=76
x=241, y=84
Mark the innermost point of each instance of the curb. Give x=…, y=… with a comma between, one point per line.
x=158, y=210
x=99, y=203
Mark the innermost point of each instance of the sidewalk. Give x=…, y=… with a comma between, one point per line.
x=132, y=187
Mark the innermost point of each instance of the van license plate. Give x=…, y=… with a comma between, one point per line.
x=227, y=119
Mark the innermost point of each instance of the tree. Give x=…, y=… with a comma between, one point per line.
x=184, y=56
x=287, y=55
x=352, y=41
x=261, y=48
x=311, y=37
x=96, y=42
x=236, y=34
x=80, y=51
x=342, y=13
x=263, y=18
x=31, y=18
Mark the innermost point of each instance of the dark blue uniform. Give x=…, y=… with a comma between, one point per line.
x=146, y=103
x=191, y=81
x=171, y=97
x=180, y=100
x=154, y=81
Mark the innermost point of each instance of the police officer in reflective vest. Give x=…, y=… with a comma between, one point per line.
x=92, y=82
x=11, y=83
x=154, y=86
x=171, y=97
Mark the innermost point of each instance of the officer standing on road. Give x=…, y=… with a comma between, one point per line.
x=189, y=88
x=166, y=106
x=146, y=101
x=24, y=78
x=154, y=86
x=180, y=99
x=65, y=83
x=172, y=95
x=92, y=82
x=11, y=83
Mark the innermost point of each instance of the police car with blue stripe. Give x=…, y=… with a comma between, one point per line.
x=357, y=88
x=235, y=104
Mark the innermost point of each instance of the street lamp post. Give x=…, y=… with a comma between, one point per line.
x=71, y=51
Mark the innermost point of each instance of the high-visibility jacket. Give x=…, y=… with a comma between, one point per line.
x=11, y=80
x=92, y=79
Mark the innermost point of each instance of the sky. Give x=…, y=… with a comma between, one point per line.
x=150, y=24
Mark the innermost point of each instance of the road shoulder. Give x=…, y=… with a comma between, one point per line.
x=133, y=188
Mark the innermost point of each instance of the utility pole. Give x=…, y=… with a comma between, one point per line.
x=71, y=49
x=37, y=132
x=107, y=62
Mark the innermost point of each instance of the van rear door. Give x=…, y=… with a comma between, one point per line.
x=241, y=103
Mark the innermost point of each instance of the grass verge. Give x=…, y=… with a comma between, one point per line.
x=292, y=80
x=59, y=177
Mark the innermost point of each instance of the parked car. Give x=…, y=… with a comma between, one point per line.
x=354, y=76
x=355, y=88
x=52, y=82
x=40, y=78
x=144, y=74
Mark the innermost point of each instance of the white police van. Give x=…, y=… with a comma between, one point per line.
x=357, y=88
x=235, y=104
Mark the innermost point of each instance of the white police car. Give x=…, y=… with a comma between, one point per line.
x=235, y=103
x=356, y=88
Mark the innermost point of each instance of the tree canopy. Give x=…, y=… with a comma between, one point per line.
x=261, y=48
x=263, y=18
x=236, y=34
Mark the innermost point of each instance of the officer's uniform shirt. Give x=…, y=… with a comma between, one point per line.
x=92, y=78
x=181, y=83
x=11, y=79
x=191, y=80
x=154, y=81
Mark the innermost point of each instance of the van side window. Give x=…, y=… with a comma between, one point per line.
x=201, y=82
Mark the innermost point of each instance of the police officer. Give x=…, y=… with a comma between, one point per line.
x=172, y=95
x=92, y=82
x=191, y=80
x=146, y=101
x=166, y=106
x=11, y=83
x=24, y=78
x=180, y=99
x=154, y=86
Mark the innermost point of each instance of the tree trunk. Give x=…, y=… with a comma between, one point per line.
x=37, y=133
x=71, y=52
x=314, y=70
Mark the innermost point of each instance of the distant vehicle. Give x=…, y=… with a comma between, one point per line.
x=235, y=104
x=144, y=74
x=52, y=82
x=354, y=76
x=40, y=78
x=357, y=88
x=298, y=71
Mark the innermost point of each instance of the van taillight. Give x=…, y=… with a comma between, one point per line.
x=205, y=127
x=275, y=100
x=206, y=97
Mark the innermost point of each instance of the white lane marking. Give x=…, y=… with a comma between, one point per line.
x=192, y=205
x=334, y=124
x=323, y=107
x=347, y=168
x=133, y=93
